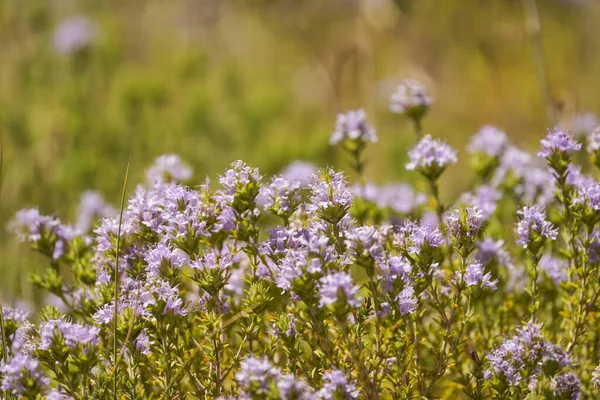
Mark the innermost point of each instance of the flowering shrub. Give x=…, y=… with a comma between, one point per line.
x=304, y=286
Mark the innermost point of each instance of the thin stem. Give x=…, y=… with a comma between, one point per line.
x=418, y=127
x=116, y=292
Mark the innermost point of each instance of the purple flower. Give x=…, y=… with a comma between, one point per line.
x=489, y=140
x=584, y=123
x=168, y=168
x=485, y=198
x=474, y=276
x=332, y=285
x=92, y=206
x=554, y=267
x=73, y=34
x=418, y=237
x=567, y=386
x=73, y=334
x=336, y=386
x=291, y=388
x=533, y=226
x=465, y=223
x=588, y=195
x=400, y=197
x=57, y=394
x=407, y=300
x=299, y=171
x=596, y=377
x=558, y=142
x=256, y=371
x=410, y=98
x=330, y=196
x=143, y=342
x=22, y=376
x=353, y=126
x=162, y=258
x=593, y=143
x=431, y=157
x=281, y=196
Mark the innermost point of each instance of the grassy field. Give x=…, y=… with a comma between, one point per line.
x=262, y=81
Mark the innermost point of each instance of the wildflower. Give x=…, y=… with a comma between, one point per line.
x=73, y=334
x=241, y=185
x=490, y=141
x=593, y=141
x=418, y=238
x=336, y=386
x=330, y=196
x=533, y=228
x=567, y=386
x=353, y=126
x=464, y=224
x=336, y=284
x=587, y=202
x=474, y=276
x=74, y=34
x=554, y=267
x=584, y=123
x=256, y=374
x=291, y=388
x=168, y=168
x=143, y=342
x=596, y=377
x=485, y=198
x=410, y=98
x=558, y=142
x=431, y=157
x=400, y=197
x=281, y=196
x=300, y=171
x=92, y=206
x=407, y=300
x=22, y=376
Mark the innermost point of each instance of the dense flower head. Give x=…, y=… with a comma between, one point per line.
x=474, y=276
x=533, y=227
x=407, y=300
x=431, y=156
x=353, y=126
x=410, y=98
x=281, y=196
x=558, y=142
x=337, y=386
x=300, y=171
x=332, y=285
x=513, y=360
x=554, y=267
x=490, y=250
x=330, y=196
x=45, y=232
x=71, y=333
x=92, y=206
x=400, y=197
x=485, y=198
x=256, y=374
x=593, y=141
x=513, y=161
x=567, y=385
x=73, y=34
x=292, y=388
x=584, y=123
x=22, y=376
x=419, y=236
x=168, y=168
x=489, y=140
x=464, y=223
x=588, y=195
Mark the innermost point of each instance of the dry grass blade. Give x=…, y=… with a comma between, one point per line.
x=116, y=294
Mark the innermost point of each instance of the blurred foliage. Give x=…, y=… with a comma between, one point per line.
x=262, y=80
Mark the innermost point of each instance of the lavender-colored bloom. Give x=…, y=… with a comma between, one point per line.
x=532, y=225
x=168, y=168
x=238, y=177
x=281, y=196
x=588, y=195
x=584, y=123
x=330, y=196
x=292, y=388
x=474, y=276
x=92, y=206
x=336, y=386
x=407, y=300
x=431, y=153
x=143, y=342
x=301, y=171
x=73, y=334
x=535, y=187
x=331, y=285
x=466, y=223
x=593, y=143
x=558, y=142
x=596, y=377
x=489, y=140
x=353, y=126
x=400, y=197
x=170, y=296
x=416, y=237
x=57, y=394
x=411, y=97
x=513, y=160
x=485, y=198
x=14, y=315
x=256, y=372
x=22, y=376
x=554, y=267
x=73, y=34
x=163, y=258
x=29, y=225
x=212, y=260
x=567, y=386
x=366, y=241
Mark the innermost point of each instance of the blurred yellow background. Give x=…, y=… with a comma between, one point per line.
x=262, y=80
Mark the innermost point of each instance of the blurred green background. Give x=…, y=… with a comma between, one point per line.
x=262, y=80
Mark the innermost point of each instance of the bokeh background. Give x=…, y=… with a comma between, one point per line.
x=86, y=85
